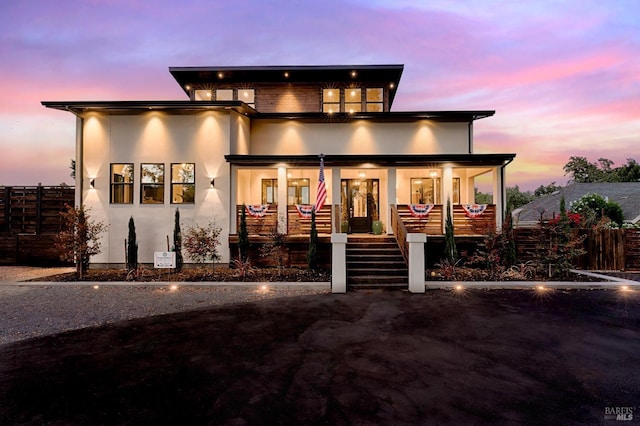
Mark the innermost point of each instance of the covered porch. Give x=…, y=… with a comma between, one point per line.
x=363, y=189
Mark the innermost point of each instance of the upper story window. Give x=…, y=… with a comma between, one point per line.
x=330, y=101
x=202, y=95
x=152, y=183
x=375, y=101
x=248, y=96
x=122, y=183
x=224, y=94
x=183, y=183
x=353, y=100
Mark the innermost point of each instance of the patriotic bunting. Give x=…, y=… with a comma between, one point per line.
x=474, y=210
x=420, y=210
x=304, y=210
x=258, y=210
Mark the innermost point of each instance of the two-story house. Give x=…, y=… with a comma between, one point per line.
x=253, y=136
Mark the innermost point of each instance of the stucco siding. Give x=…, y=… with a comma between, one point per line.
x=155, y=137
x=359, y=137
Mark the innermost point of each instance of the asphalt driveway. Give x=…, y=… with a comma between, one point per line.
x=483, y=356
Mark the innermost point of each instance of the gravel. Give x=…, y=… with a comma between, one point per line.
x=29, y=310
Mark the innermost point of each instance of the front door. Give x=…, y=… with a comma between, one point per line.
x=360, y=203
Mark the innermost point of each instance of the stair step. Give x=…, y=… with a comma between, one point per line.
x=379, y=280
x=387, y=286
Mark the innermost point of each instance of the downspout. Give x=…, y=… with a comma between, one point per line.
x=470, y=133
x=503, y=194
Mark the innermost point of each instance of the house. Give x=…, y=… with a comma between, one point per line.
x=626, y=194
x=254, y=136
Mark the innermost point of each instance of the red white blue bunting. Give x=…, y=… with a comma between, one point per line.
x=474, y=210
x=257, y=210
x=304, y=210
x=420, y=210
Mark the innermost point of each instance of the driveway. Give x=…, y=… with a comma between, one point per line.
x=478, y=357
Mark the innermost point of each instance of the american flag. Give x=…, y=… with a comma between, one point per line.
x=322, y=189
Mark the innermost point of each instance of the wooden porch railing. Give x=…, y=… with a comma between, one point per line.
x=400, y=232
x=462, y=224
x=260, y=225
x=302, y=226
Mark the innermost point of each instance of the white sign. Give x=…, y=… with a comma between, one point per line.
x=164, y=259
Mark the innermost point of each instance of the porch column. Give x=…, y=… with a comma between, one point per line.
x=499, y=194
x=339, y=263
x=336, y=196
x=233, y=200
x=392, y=198
x=416, y=262
x=282, y=218
x=447, y=193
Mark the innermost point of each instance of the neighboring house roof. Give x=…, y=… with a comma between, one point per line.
x=626, y=194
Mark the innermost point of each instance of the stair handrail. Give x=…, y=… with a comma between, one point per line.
x=400, y=232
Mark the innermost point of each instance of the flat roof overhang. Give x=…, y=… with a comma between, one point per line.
x=389, y=75
x=128, y=107
x=371, y=161
x=131, y=107
x=391, y=117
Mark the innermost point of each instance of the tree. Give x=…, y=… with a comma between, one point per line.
x=581, y=170
x=546, y=190
x=517, y=198
x=275, y=247
x=201, y=243
x=482, y=197
x=450, y=250
x=312, y=255
x=132, y=247
x=508, y=240
x=630, y=172
x=72, y=166
x=80, y=238
x=243, y=236
x=177, y=241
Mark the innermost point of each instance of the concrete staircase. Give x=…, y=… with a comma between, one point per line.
x=375, y=262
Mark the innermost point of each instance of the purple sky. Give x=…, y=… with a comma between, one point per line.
x=563, y=76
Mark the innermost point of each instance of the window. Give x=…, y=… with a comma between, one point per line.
x=353, y=100
x=248, y=96
x=183, y=183
x=375, y=100
x=152, y=183
x=122, y=183
x=429, y=191
x=298, y=191
x=269, y=191
x=202, y=95
x=330, y=101
x=224, y=94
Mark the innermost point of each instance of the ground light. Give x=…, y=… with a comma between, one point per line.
x=173, y=287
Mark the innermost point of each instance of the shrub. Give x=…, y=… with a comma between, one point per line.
x=80, y=238
x=132, y=247
x=593, y=206
x=177, y=241
x=201, y=243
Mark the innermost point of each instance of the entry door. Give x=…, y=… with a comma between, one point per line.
x=360, y=202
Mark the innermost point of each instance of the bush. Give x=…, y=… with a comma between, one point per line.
x=201, y=243
x=80, y=238
x=593, y=206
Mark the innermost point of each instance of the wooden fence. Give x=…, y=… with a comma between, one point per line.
x=29, y=220
x=606, y=249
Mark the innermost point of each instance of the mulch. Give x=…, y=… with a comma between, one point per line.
x=367, y=357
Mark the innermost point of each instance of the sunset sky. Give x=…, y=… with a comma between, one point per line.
x=563, y=76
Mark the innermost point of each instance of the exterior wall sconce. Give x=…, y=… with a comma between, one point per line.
x=213, y=183
x=433, y=174
x=92, y=183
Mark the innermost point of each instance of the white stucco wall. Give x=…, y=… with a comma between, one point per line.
x=202, y=138
x=270, y=137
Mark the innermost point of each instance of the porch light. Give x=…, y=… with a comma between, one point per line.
x=353, y=73
x=433, y=174
x=220, y=75
x=286, y=74
x=361, y=175
x=391, y=86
